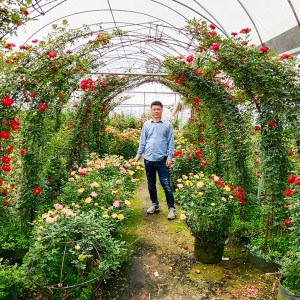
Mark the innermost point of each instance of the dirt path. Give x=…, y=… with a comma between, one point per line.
x=162, y=265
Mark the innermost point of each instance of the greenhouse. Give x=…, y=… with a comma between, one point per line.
x=150, y=149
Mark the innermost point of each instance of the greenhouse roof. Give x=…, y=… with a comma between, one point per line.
x=153, y=28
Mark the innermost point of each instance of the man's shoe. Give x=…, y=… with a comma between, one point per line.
x=152, y=209
x=172, y=213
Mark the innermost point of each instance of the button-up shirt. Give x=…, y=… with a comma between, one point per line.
x=157, y=140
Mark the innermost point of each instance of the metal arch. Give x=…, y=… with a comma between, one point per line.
x=224, y=32
x=294, y=12
x=248, y=14
x=170, y=9
x=210, y=15
x=97, y=10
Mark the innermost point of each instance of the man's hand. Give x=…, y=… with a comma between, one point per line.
x=135, y=159
x=168, y=163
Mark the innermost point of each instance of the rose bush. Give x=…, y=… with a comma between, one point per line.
x=207, y=205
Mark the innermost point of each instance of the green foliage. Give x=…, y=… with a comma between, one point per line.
x=208, y=206
x=72, y=249
x=291, y=272
x=11, y=276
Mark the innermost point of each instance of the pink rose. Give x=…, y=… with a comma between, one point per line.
x=69, y=213
x=116, y=204
x=58, y=206
x=94, y=194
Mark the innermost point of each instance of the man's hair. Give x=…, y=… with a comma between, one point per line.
x=157, y=103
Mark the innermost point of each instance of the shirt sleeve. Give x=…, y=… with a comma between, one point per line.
x=142, y=143
x=171, y=144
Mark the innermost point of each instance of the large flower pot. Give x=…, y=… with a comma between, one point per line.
x=284, y=294
x=207, y=252
x=263, y=265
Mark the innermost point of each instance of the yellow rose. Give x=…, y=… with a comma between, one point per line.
x=73, y=173
x=227, y=188
x=71, y=179
x=88, y=200
x=121, y=157
x=114, y=215
x=120, y=217
x=105, y=216
x=127, y=202
x=200, y=194
x=213, y=204
x=77, y=247
x=81, y=257
x=41, y=227
x=230, y=197
x=38, y=239
x=81, y=190
x=179, y=180
x=93, y=232
x=93, y=154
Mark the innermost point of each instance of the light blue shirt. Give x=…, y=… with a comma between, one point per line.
x=157, y=140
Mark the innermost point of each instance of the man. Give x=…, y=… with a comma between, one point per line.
x=157, y=141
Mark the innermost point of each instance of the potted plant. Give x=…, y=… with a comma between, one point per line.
x=207, y=207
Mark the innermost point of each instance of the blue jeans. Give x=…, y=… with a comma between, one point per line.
x=164, y=178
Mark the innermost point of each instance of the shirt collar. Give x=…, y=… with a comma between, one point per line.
x=161, y=120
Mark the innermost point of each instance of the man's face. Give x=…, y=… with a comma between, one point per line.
x=156, y=111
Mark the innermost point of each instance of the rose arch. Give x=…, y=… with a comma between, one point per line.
x=242, y=98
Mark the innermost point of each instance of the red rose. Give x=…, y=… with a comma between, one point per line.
x=6, y=168
x=221, y=184
x=0, y=181
x=42, y=106
x=11, y=148
x=245, y=30
x=22, y=151
x=37, y=191
x=256, y=128
x=285, y=56
x=264, y=49
x=229, y=97
x=190, y=58
x=69, y=51
x=118, y=146
x=297, y=181
x=49, y=180
x=241, y=201
x=212, y=26
x=215, y=47
x=32, y=95
x=52, y=55
x=102, y=83
x=272, y=123
x=233, y=33
x=287, y=205
x=288, y=192
x=34, y=41
x=5, y=159
x=286, y=222
x=4, y=135
x=4, y=192
x=7, y=101
x=291, y=178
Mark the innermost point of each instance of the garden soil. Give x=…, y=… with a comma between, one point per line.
x=161, y=264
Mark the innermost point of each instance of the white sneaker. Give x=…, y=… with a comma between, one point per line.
x=152, y=209
x=172, y=213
